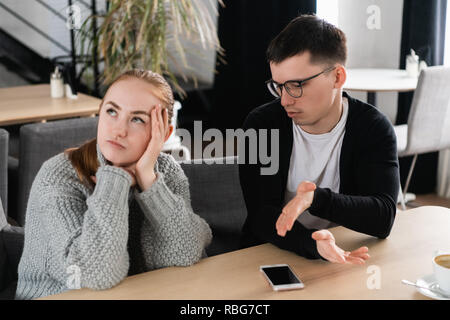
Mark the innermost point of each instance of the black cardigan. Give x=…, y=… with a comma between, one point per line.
x=369, y=180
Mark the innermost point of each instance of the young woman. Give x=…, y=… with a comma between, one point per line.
x=115, y=206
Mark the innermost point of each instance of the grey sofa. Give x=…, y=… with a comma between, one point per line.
x=215, y=189
x=11, y=247
x=216, y=196
x=11, y=238
x=38, y=143
x=215, y=192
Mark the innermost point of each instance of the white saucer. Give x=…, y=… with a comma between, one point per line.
x=429, y=281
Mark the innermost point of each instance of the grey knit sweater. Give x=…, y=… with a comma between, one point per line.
x=76, y=236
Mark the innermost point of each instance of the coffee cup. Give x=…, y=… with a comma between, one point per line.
x=441, y=267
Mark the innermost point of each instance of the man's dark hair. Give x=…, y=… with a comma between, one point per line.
x=325, y=42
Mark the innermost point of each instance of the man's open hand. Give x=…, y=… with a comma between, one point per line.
x=295, y=207
x=328, y=249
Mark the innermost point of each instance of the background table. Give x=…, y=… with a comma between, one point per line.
x=405, y=254
x=374, y=80
x=33, y=104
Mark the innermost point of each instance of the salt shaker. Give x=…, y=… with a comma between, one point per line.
x=56, y=84
x=412, y=64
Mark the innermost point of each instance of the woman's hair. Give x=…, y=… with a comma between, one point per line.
x=84, y=158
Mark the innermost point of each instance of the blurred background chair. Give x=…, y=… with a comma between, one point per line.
x=4, y=141
x=173, y=144
x=38, y=143
x=216, y=196
x=11, y=247
x=428, y=127
x=11, y=238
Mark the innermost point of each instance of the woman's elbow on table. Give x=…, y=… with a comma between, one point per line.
x=192, y=255
x=104, y=277
x=102, y=283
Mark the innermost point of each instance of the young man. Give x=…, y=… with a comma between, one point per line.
x=338, y=155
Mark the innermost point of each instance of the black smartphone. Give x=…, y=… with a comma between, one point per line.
x=281, y=277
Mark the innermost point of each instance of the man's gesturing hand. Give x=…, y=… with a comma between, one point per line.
x=328, y=249
x=295, y=207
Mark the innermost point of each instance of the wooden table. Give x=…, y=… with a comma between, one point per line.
x=33, y=104
x=373, y=80
x=405, y=254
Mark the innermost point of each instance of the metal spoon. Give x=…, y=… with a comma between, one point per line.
x=426, y=288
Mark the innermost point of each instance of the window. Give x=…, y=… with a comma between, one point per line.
x=328, y=10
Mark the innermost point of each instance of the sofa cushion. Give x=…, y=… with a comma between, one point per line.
x=216, y=196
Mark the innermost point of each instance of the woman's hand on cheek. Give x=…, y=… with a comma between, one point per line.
x=131, y=169
x=145, y=167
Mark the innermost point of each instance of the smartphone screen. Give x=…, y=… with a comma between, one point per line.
x=280, y=275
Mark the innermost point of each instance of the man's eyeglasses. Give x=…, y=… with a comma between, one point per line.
x=293, y=87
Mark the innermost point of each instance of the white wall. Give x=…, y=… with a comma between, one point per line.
x=201, y=63
x=44, y=20
x=34, y=13
x=369, y=48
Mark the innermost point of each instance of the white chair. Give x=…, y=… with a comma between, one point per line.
x=173, y=144
x=428, y=127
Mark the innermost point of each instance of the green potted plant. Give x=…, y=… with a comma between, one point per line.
x=147, y=34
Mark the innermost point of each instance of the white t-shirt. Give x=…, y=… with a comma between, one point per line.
x=315, y=157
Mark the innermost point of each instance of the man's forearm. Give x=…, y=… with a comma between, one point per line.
x=298, y=240
x=372, y=215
